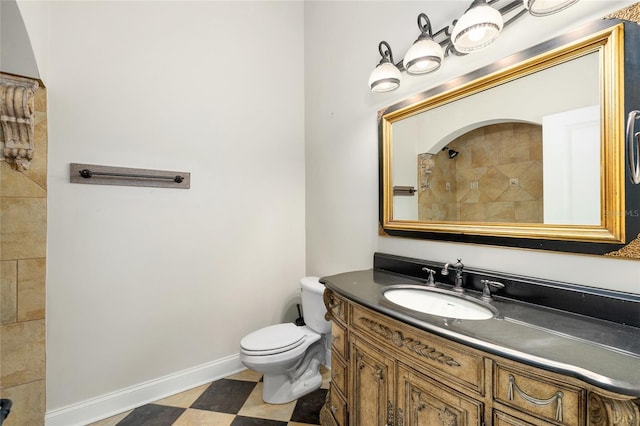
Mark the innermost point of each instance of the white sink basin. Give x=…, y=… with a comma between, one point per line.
x=438, y=302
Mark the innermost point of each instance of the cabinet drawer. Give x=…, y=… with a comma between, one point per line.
x=540, y=394
x=339, y=377
x=336, y=306
x=338, y=407
x=454, y=364
x=339, y=342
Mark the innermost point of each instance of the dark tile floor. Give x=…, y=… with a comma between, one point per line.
x=233, y=401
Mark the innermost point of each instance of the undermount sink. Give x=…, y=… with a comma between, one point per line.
x=434, y=301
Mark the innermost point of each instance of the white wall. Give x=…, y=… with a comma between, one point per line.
x=146, y=282
x=341, y=137
x=16, y=54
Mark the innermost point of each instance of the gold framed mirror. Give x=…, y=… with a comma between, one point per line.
x=526, y=152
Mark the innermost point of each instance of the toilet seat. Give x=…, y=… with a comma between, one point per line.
x=273, y=339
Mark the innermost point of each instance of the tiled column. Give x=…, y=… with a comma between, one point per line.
x=23, y=231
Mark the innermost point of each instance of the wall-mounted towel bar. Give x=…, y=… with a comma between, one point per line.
x=87, y=174
x=407, y=191
x=107, y=175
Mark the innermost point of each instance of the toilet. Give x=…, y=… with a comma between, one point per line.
x=289, y=356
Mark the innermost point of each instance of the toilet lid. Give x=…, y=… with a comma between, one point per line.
x=273, y=339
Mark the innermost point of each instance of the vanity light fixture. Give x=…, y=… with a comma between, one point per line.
x=386, y=76
x=425, y=55
x=478, y=27
x=546, y=7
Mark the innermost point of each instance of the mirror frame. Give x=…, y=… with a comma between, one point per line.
x=607, y=37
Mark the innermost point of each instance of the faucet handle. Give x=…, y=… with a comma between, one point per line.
x=430, y=281
x=488, y=285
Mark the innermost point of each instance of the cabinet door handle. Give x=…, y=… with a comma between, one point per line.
x=535, y=401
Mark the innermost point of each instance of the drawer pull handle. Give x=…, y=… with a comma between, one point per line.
x=535, y=401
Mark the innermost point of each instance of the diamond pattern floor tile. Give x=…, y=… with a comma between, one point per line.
x=233, y=401
x=225, y=396
x=255, y=407
x=152, y=415
x=307, y=409
x=193, y=417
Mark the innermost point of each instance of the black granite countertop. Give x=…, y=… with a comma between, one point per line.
x=603, y=353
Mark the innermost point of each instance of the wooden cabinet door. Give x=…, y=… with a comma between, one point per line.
x=371, y=394
x=423, y=401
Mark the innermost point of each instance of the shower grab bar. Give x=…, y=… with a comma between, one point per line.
x=633, y=155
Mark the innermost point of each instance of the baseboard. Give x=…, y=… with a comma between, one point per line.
x=108, y=405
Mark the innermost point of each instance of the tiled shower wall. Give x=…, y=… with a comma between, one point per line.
x=23, y=231
x=496, y=177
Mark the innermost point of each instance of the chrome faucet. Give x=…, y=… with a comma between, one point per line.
x=459, y=266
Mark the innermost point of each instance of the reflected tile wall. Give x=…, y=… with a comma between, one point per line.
x=23, y=231
x=496, y=177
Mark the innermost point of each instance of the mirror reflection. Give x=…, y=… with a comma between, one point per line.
x=525, y=151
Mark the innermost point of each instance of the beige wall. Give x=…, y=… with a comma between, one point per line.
x=23, y=229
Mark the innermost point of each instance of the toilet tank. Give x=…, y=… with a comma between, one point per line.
x=313, y=307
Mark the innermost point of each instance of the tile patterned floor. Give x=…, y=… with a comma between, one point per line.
x=233, y=401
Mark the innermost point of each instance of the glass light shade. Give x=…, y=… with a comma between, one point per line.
x=424, y=55
x=385, y=78
x=546, y=7
x=477, y=28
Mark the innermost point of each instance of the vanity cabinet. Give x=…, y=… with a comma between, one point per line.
x=386, y=372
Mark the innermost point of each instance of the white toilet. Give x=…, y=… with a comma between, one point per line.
x=289, y=356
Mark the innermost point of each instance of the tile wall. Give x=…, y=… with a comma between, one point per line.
x=23, y=231
x=496, y=177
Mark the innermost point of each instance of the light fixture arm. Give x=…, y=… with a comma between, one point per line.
x=387, y=55
x=476, y=3
x=424, y=24
x=515, y=4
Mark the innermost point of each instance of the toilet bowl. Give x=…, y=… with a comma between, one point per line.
x=289, y=356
